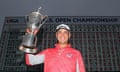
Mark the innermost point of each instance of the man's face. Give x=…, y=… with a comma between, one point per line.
x=62, y=36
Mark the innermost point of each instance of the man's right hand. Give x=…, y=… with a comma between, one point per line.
x=29, y=31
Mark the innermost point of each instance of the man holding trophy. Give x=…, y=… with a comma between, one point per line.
x=61, y=58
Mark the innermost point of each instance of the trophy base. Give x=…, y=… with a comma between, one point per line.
x=28, y=50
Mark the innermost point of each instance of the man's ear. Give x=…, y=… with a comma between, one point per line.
x=56, y=34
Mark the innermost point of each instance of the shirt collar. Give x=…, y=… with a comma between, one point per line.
x=58, y=46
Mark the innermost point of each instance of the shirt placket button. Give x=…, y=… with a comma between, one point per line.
x=60, y=52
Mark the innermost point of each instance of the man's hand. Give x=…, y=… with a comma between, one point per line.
x=29, y=31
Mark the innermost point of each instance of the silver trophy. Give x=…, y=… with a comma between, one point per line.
x=35, y=21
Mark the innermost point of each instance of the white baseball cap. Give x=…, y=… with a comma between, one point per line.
x=62, y=26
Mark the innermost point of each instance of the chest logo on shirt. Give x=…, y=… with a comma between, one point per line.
x=69, y=55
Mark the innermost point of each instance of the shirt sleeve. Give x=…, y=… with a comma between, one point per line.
x=80, y=67
x=35, y=59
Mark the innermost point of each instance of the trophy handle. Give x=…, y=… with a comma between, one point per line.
x=35, y=41
x=43, y=21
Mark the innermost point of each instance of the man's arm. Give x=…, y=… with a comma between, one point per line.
x=34, y=59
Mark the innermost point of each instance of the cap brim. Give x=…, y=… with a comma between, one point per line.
x=62, y=28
